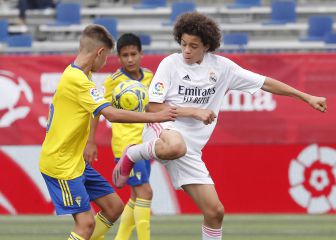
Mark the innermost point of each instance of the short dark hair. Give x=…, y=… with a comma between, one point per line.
x=128, y=39
x=199, y=25
x=99, y=33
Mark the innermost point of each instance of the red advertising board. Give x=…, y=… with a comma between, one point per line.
x=28, y=83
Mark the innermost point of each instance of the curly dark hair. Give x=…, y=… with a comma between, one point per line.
x=199, y=25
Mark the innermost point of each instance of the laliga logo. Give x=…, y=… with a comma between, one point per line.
x=159, y=87
x=312, y=177
x=10, y=93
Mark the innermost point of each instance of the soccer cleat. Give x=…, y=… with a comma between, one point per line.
x=122, y=170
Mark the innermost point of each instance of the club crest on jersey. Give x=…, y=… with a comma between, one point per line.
x=78, y=200
x=158, y=89
x=212, y=77
x=96, y=95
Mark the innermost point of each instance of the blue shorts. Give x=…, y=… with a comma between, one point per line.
x=74, y=196
x=139, y=174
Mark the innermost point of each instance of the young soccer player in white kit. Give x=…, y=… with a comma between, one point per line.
x=195, y=81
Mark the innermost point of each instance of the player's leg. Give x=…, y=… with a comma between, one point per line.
x=168, y=144
x=136, y=214
x=127, y=222
x=84, y=225
x=142, y=211
x=71, y=197
x=137, y=210
x=206, y=198
x=111, y=208
x=144, y=194
x=159, y=142
x=101, y=192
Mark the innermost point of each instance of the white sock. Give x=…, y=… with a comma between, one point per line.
x=143, y=151
x=210, y=233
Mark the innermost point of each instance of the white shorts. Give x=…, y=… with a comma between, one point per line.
x=189, y=169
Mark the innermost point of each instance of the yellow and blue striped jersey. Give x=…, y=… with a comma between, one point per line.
x=75, y=100
x=124, y=134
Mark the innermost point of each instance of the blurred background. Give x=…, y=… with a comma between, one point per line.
x=53, y=26
x=268, y=154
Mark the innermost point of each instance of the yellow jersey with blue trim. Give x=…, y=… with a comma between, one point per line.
x=75, y=100
x=124, y=134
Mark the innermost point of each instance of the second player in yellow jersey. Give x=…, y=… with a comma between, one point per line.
x=124, y=134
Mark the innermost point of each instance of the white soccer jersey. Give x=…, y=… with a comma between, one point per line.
x=201, y=86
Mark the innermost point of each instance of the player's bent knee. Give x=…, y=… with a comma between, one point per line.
x=220, y=212
x=182, y=149
x=92, y=225
x=216, y=213
x=144, y=191
x=173, y=145
x=179, y=150
x=88, y=226
x=176, y=150
x=147, y=194
x=116, y=211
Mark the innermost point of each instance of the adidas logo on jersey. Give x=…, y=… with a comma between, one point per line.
x=186, y=78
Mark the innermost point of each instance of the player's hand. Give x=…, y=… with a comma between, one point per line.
x=90, y=152
x=207, y=116
x=319, y=103
x=169, y=113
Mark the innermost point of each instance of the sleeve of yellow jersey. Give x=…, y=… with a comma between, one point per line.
x=109, y=85
x=91, y=98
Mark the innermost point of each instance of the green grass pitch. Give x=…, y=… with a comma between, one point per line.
x=184, y=227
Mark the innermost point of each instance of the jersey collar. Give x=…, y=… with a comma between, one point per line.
x=88, y=76
x=130, y=77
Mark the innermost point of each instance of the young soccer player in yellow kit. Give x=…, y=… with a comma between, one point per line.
x=72, y=182
x=137, y=211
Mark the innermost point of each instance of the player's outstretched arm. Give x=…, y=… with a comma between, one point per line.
x=123, y=116
x=90, y=152
x=207, y=116
x=280, y=88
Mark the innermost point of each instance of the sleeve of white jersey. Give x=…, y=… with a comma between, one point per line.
x=244, y=80
x=161, y=82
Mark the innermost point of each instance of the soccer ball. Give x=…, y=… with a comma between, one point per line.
x=130, y=95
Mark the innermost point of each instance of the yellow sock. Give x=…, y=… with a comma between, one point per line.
x=101, y=228
x=127, y=223
x=142, y=214
x=75, y=236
